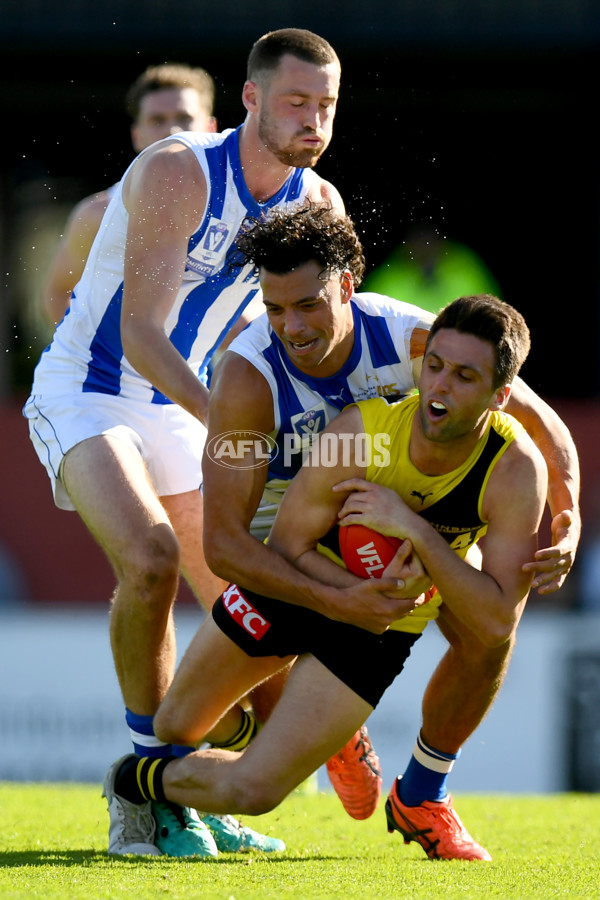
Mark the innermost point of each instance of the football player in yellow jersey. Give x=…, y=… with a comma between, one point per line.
x=475, y=350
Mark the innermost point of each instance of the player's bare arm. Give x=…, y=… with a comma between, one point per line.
x=552, y=437
x=232, y=495
x=72, y=253
x=489, y=602
x=309, y=509
x=417, y=343
x=165, y=195
x=325, y=192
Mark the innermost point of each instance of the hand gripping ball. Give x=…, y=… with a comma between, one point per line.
x=365, y=552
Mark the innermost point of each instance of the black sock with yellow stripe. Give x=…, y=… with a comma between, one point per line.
x=140, y=778
x=240, y=740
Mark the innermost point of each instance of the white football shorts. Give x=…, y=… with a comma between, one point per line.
x=168, y=438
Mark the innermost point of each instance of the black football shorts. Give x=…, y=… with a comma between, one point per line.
x=367, y=663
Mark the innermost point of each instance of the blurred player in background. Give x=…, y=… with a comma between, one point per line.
x=427, y=268
x=163, y=100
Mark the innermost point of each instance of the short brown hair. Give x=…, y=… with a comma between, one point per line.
x=492, y=320
x=170, y=75
x=268, y=50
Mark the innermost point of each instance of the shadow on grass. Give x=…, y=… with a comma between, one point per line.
x=89, y=858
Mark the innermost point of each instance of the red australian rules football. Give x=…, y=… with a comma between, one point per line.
x=365, y=552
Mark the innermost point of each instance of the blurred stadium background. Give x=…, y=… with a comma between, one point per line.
x=479, y=116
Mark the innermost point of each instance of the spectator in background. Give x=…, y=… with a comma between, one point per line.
x=163, y=100
x=426, y=269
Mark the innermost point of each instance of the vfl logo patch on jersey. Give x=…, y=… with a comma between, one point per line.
x=305, y=428
x=207, y=256
x=310, y=422
x=242, y=612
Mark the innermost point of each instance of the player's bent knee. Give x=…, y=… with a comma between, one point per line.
x=497, y=648
x=255, y=796
x=170, y=727
x=472, y=647
x=152, y=565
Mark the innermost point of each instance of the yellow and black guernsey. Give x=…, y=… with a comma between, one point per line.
x=452, y=502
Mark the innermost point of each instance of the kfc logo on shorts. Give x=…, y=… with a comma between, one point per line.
x=244, y=613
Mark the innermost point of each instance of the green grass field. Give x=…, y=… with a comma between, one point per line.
x=53, y=841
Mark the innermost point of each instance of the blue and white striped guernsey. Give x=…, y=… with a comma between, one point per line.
x=378, y=366
x=86, y=353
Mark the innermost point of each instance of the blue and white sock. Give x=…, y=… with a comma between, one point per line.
x=426, y=775
x=180, y=751
x=145, y=742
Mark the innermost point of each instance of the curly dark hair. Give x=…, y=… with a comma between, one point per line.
x=288, y=238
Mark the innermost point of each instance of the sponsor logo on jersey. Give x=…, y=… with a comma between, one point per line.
x=340, y=400
x=376, y=387
x=387, y=391
x=422, y=497
x=464, y=539
x=460, y=537
x=242, y=612
x=207, y=256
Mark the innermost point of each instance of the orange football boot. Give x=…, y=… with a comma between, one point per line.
x=435, y=826
x=355, y=774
